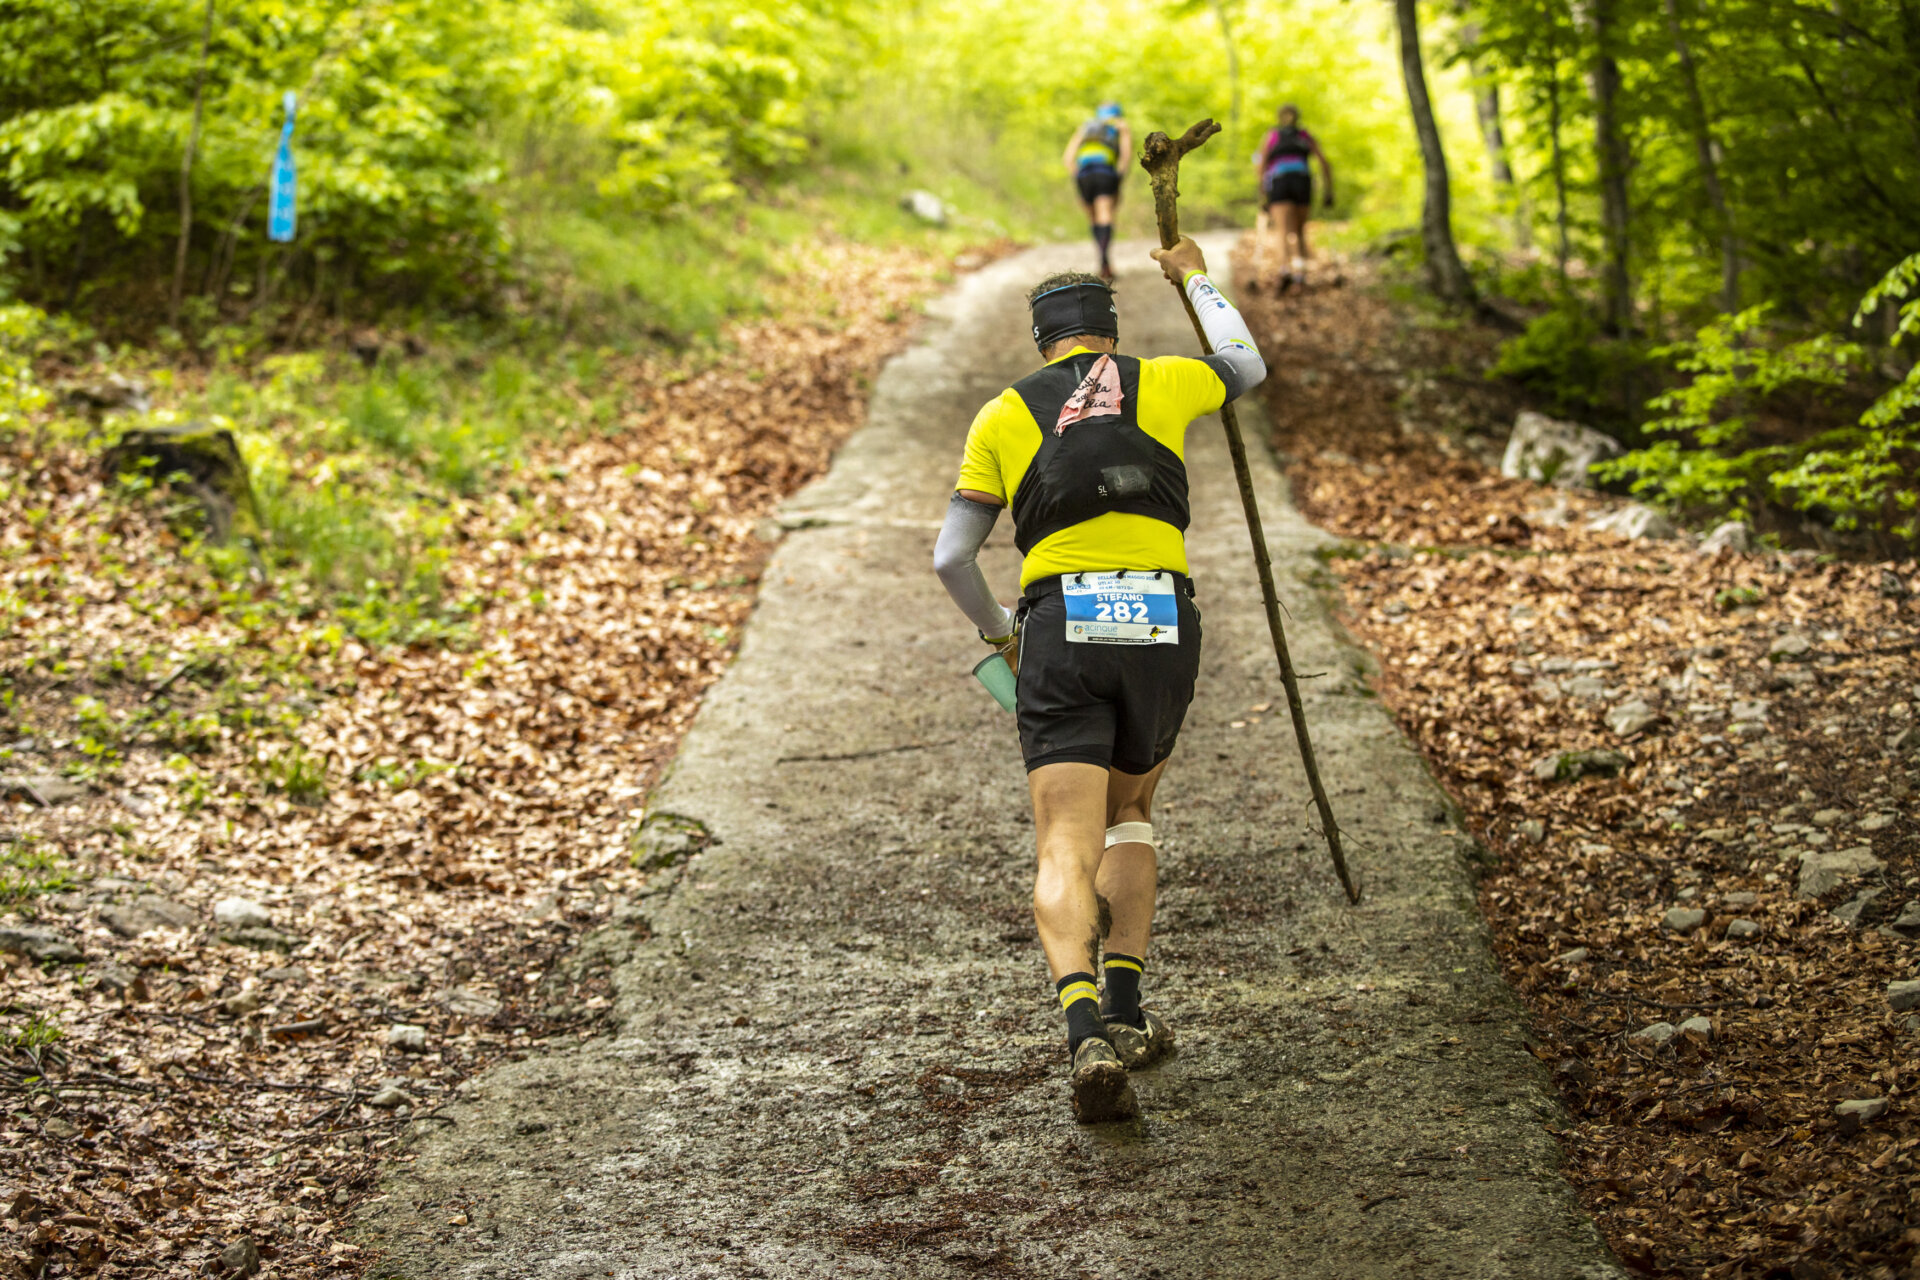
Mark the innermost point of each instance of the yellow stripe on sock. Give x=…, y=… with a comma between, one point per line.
x=1114, y=962
x=1079, y=991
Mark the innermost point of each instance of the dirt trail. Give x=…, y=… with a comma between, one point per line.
x=838, y=1054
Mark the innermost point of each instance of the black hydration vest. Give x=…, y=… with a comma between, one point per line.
x=1290, y=144
x=1096, y=465
x=1103, y=133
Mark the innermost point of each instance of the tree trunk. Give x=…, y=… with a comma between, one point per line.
x=1446, y=275
x=1486, y=103
x=186, y=174
x=1233, y=69
x=1709, y=152
x=1562, y=249
x=1486, y=107
x=1595, y=18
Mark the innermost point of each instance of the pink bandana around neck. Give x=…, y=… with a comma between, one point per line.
x=1097, y=396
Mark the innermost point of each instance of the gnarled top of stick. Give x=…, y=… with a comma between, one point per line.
x=1161, y=159
x=1162, y=152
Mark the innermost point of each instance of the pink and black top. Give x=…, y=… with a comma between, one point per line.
x=1286, y=150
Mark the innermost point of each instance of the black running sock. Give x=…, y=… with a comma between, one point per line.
x=1103, y=236
x=1122, y=1000
x=1081, y=999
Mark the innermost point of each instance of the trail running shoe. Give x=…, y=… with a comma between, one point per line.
x=1286, y=282
x=1136, y=1047
x=1101, y=1090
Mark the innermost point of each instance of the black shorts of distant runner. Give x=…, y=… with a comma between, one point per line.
x=1118, y=706
x=1097, y=180
x=1290, y=186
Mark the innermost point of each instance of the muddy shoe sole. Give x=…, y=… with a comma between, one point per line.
x=1140, y=1048
x=1101, y=1090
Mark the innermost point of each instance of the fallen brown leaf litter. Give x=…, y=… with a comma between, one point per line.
x=1694, y=778
x=274, y=993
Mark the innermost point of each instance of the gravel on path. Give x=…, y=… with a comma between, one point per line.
x=838, y=1053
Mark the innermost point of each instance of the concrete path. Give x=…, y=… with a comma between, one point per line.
x=839, y=1054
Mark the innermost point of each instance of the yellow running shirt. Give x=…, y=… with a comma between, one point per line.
x=1002, y=442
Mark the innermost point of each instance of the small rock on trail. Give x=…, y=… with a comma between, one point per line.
x=1822, y=871
x=40, y=944
x=241, y=913
x=146, y=913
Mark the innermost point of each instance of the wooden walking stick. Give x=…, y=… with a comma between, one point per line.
x=1161, y=159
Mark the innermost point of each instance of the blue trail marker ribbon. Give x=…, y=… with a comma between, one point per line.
x=281, y=190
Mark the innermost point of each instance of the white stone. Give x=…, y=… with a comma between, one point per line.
x=1698, y=1026
x=926, y=206
x=390, y=1096
x=240, y=913
x=1550, y=451
x=1655, y=1033
x=1631, y=717
x=1634, y=521
x=1732, y=536
x=406, y=1038
x=1741, y=930
x=1904, y=995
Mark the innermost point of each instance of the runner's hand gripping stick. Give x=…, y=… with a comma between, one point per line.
x=1160, y=157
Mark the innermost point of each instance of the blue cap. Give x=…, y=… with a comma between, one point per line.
x=1107, y=111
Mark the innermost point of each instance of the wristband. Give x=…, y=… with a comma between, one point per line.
x=1001, y=640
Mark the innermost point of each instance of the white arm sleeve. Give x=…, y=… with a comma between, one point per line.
x=1234, y=358
x=955, y=559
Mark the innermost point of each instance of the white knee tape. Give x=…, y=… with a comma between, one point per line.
x=1130, y=833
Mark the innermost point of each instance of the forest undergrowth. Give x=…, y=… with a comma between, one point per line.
x=270, y=892
x=1693, y=775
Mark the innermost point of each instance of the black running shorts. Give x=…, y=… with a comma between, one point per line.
x=1118, y=706
x=1097, y=180
x=1290, y=186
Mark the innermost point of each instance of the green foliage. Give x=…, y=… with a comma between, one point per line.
x=1860, y=475
x=416, y=120
x=1902, y=280
x=21, y=328
x=1810, y=121
x=37, y=1032
x=296, y=773
x=27, y=869
x=1560, y=356
x=975, y=100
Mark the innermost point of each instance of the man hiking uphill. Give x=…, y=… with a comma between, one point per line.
x=1098, y=157
x=1089, y=452
x=1286, y=193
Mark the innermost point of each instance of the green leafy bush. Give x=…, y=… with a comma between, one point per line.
x=1557, y=356
x=1862, y=475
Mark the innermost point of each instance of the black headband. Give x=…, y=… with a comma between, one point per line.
x=1074, y=309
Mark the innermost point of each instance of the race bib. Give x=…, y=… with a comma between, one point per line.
x=1123, y=607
